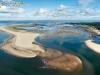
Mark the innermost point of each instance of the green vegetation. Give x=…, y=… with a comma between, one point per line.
x=91, y=24
x=16, y=27
x=25, y=25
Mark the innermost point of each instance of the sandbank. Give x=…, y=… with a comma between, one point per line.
x=21, y=44
x=94, y=46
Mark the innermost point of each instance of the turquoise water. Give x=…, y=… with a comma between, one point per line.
x=3, y=37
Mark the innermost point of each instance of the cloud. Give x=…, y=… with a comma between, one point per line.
x=85, y=3
x=61, y=8
x=78, y=13
x=52, y=13
x=41, y=11
x=63, y=12
x=82, y=13
x=59, y=14
x=90, y=11
x=16, y=10
x=6, y=0
x=87, y=13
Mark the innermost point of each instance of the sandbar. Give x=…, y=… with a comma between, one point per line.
x=94, y=46
x=21, y=44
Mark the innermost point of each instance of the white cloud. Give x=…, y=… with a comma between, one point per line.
x=90, y=11
x=16, y=10
x=85, y=3
x=79, y=13
x=7, y=0
x=52, y=13
x=62, y=12
x=61, y=8
x=41, y=11
x=59, y=14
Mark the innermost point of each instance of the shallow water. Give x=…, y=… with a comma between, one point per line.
x=12, y=65
x=75, y=44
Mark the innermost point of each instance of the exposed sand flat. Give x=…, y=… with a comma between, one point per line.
x=95, y=31
x=21, y=45
x=67, y=61
x=95, y=47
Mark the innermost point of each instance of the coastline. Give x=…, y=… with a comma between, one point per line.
x=93, y=46
x=20, y=44
x=32, y=50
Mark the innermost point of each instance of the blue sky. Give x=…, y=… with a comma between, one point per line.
x=51, y=10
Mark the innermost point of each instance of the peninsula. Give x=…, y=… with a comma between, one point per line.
x=21, y=43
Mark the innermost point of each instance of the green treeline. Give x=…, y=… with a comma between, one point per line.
x=91, y=24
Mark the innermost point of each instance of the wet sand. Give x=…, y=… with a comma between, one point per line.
x=65, y=61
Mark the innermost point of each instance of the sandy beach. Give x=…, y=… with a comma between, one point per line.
x=95, y=47
x=21, y=44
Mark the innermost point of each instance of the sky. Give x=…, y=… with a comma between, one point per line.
x=51, y=10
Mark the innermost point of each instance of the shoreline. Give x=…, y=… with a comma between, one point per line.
x=51, y=56
x=19, y=49
x=93, y=46
x=5, y=41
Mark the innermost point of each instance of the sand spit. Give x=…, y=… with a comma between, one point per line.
x=94, y=46
x=21, y=44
